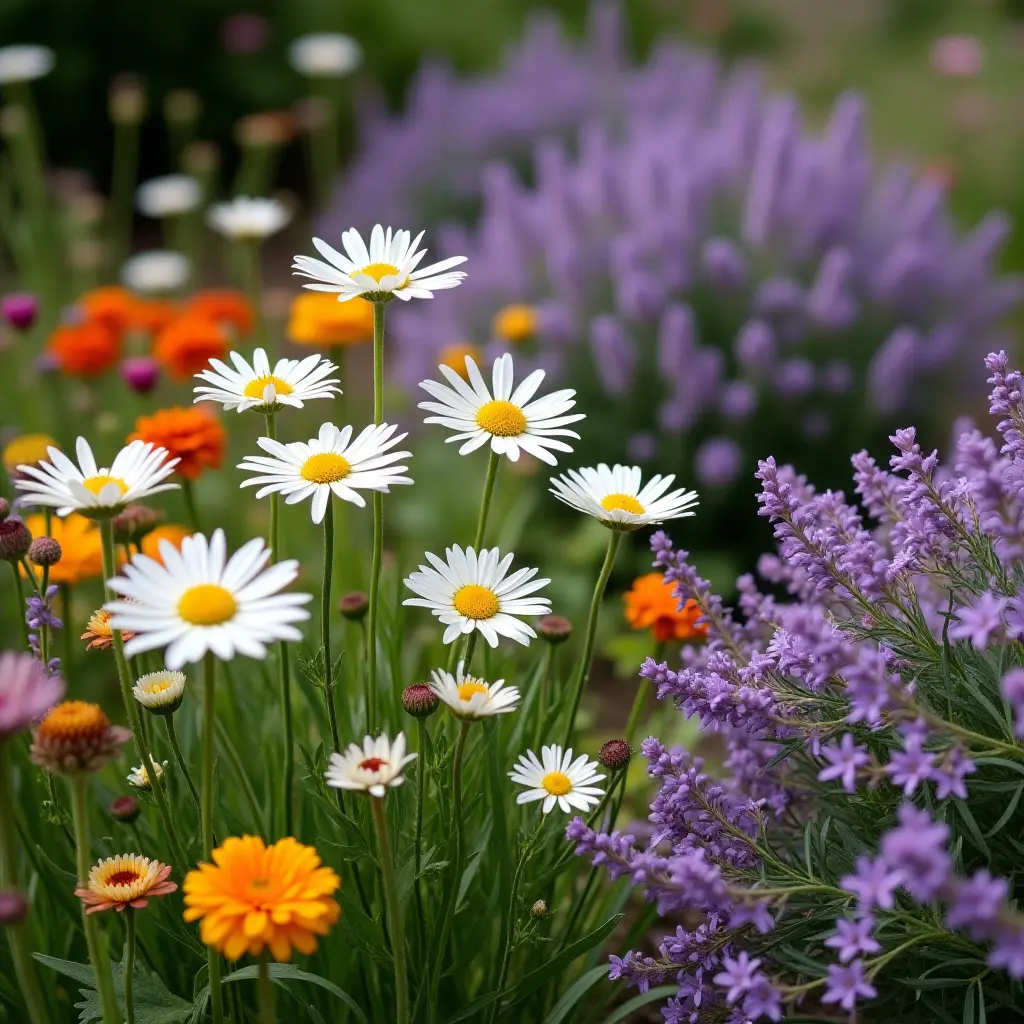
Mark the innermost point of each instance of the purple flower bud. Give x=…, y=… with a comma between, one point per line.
x=140, y=373
x=794, y=377
x=20, y=311
x=613, y=354
x=718, y=461
x=738, y=401
x=419, y=700
x=723, y=263
x=354, y=605
x=44, y=551
x=554, y=628
x=837, y=377
x=15, y=539
x=891, y=369
x=13, y=907
x=615, y=755
x=755, y=346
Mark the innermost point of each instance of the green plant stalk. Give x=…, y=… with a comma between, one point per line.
x=17, y=934
x=66, y=648
x=20, y=590
x=379, y=310
x=583, y=671
x=122, y=188
x=268, y=1010
x=499, y=793
x=179, y=760
x=545, y=679
x=395, y=919
x=421, y=796
x=639, y=701
x=129, y=967
x=485, y=500
x=206, y=817
x=191, y=511
x=98, y=956
x=250, y=257
x=325, y=624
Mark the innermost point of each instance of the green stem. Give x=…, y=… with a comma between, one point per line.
x=98, y=956
x=498, y=782
x=325, y=624
x=395, y=919
x=20, y=588
x=129, y=967
x=122, y=188
x=268, y=1011
x=583, y=671
x=379, y=310
x=485, y=501
x=254, y=286
x=545, y=679
x=66, y=649
x=421, y=795
x=206, y=815
x=191, y=512
x=179, y=760
x=636, y=711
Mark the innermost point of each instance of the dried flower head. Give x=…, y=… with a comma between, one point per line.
x=76, y=737
x=44, y=552
x=134, y=522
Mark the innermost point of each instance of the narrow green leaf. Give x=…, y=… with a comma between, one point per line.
x=1007, y=814
x=653, y=995
x=289, y=972
x=972, y=826
x=575, y=993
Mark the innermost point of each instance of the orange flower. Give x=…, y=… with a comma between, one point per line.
x=454, y=357
x=222, y=306
x=75, y=736
x=186, y=345
x=652, y=604
x=171, y=532
x=255, y=896
x=192, y=435
x=128, y=880
x=153, y=315
x=318, y=318
x=516, y=323
x=85, y=350
x=27, y=450
x=99, y=634
x=112, y=306
x=81, y=551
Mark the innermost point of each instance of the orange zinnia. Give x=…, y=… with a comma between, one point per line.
x=652, y=604
x=192, y=435
x=81, y=550
x=171, y=532
x=85, y=350
x=112, y=306
x=318, y=318
x=222, y=306
x=153, y=315
x=186, y=345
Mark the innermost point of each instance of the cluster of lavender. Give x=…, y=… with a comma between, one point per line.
x=40, y=616
x=863, y=841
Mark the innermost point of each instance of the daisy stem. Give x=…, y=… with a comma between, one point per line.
x=98, y=955
x=325, y=624
x=206, y=815
x=65, y=607
x=268, y=1011
x=545, y=681
x=379, y=310
x=190, y=504
x=421, y=795
x=129, y=966
x=19, y=586
x=583, y=671
x=253, y=285
x=172, y=739
x=639, y=702
x=485, y=501
x=395, y=920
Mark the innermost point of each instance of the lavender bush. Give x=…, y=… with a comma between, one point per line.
x=861, y=844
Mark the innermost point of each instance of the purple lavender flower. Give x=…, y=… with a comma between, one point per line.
x=852, y=938
x=950, y=773
x=762, y=1001
x=911, y=766
x=844, y=760
x=845, y=985
x=977, y=903
x=980, y=621
x=917, y=847
x=1013, y=691
x=874, y=883
x=1008, y=950
x=739, y=977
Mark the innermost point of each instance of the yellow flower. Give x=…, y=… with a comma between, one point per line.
x=27, y=450
x=172, y=532
x=81, y=551
x=516, y=323
x=318, y=318
x=98, y=632
x=454, y=357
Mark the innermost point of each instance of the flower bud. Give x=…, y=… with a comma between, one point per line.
x=182, y=106
x=554, y=628
x=15, y=539
x=140, y=373
x=354, y=606
x=125, y=808
x=133, y=522
x=539, y=910
x=200, y=158
x=127, y=104
x=20, y=311
x=44, y=551
x=419, y=700
x=615, y=755
x=5, y=509
x=13, y=907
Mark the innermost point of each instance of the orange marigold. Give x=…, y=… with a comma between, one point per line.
x=186, y=345
x=172, y=532
x=112, y=306
x=153, y=315
x=318, y=318
x=192, y=435
x=651, y=604
x=88, y=349
x=516, y=323
x=255, y=896
x=222, y=306
x=81, y=548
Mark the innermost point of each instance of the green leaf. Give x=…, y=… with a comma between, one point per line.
x=1007, y=814
x=972, y=827
x=289, y=972
x=575, y=993
x=653, y=995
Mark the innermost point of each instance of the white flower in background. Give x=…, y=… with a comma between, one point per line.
x=556, y=778
x=157, y=271
x=331, y=463
x=507, y=418
x=386, y=269
x=325, y=55
x=160, y=692
x=614, y=496
x=168, y=196
x=259, y=386
x=473, y=698
x=24, y=62
x=199, y=601
x=139, y=777
x=471, y=591
x=248, y=219
x=373, y=768
x=138, y=470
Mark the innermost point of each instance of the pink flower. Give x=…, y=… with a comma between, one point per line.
x=26, y=691
x=958, y=56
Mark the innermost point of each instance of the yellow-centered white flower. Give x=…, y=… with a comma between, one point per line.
x=138, y=470
x=470, y=590
x=557, y=779
x=331, y=463
x=24, y=62
x=614, y=495
x=160, y=692
x=373, y=768
x=170, y=195
x=199, y=600
x=156, y=272
x=139, y=777
x=469, y=697
x=265, y=388
x=325, y=55
x=248, y=218
x=510, y=419
x=385, y=270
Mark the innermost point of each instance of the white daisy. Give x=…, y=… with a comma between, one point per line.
x=156, y=272
x=330, y=463
x=469, y=697
x=170, y=195
x=160, y=692
x=556, y=778
x=616, y=498
x=137, y=471
x=139, y=777
x=506, y=418
x=24, y=62
x=194, y=602
x=325, y=55
x=387, y=269
x=470, y=591
x=248, y=219
x=265, y=389
x=373, y=768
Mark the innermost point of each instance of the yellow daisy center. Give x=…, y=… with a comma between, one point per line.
x=625, y=502
x=95, y=484
x=157, y=686
x=471, y=687
x=255, y=388
x=379, y=270
x=207, y=604
x=557, y=783
x=475, y=602
x=501, y=418
x=327, y=468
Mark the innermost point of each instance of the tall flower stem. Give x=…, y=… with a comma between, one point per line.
x=485, y=501
x=132, y=710
x=325, y=624
x=583, y=671
x=421, y=796
x=254, y=287
x=20, y=590
x=379, y=311
x=191, y=512
x=129, y=967
x=17, y=934
x=122, y=187
x=636, y=711
x=98, y=955
x=66, y=649
x=395, y=919
x=268, y=1010
x=179, y=760
x=206, y=815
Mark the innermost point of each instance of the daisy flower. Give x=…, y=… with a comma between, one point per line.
x=137, y=471
x=507, y=418
x=264, y=388
x=386, y=270
x=325, y=55
x=557, y=778
x=198, y=600
x=139, y=777
x=248, y=219
x=373, y=768
x=160, y=692
x=472, y=698
x=128, y=880
x=471, y=591
x=24, y=62
x=157, y=271
x=332, y=462
x=168, y=196
x=615, y=497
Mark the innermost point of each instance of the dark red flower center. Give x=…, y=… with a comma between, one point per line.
x=372, y=764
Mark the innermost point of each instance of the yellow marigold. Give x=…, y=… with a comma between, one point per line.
x=128, y=880
x=256, y=896
x=318, y=318
x=454, y=357
x=651, y=604
x=81, y=549
x=98, y=632
x=516, y=323
x=27, y=450
x=172, y=532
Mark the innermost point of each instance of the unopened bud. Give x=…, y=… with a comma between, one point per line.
x=127, y=103
x=182, y=106
x=419, y=700
x=615, y=755
x=134, y=522
x=15, y=539
x=125, y=808
x=200, y=158
x=554, y=628
x=13, y=907
x=539, y=910
x=44, y=551
x=140, y=373
x=354, y=606
x=20, y=311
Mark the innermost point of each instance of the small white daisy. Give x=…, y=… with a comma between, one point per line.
x=198, y=600
x=470, y=591
x=156, y=272
x=373, y=768
x=614, y=496
x=138, y=470
x=506, y=418
x=248, y=219
x=264, y=388
x=469, y=697
x=24, y=62
x=556, y=778
x=170, y=195
x=139, y=777
x=324, y=55
x=160, y=692
x=387, y=269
